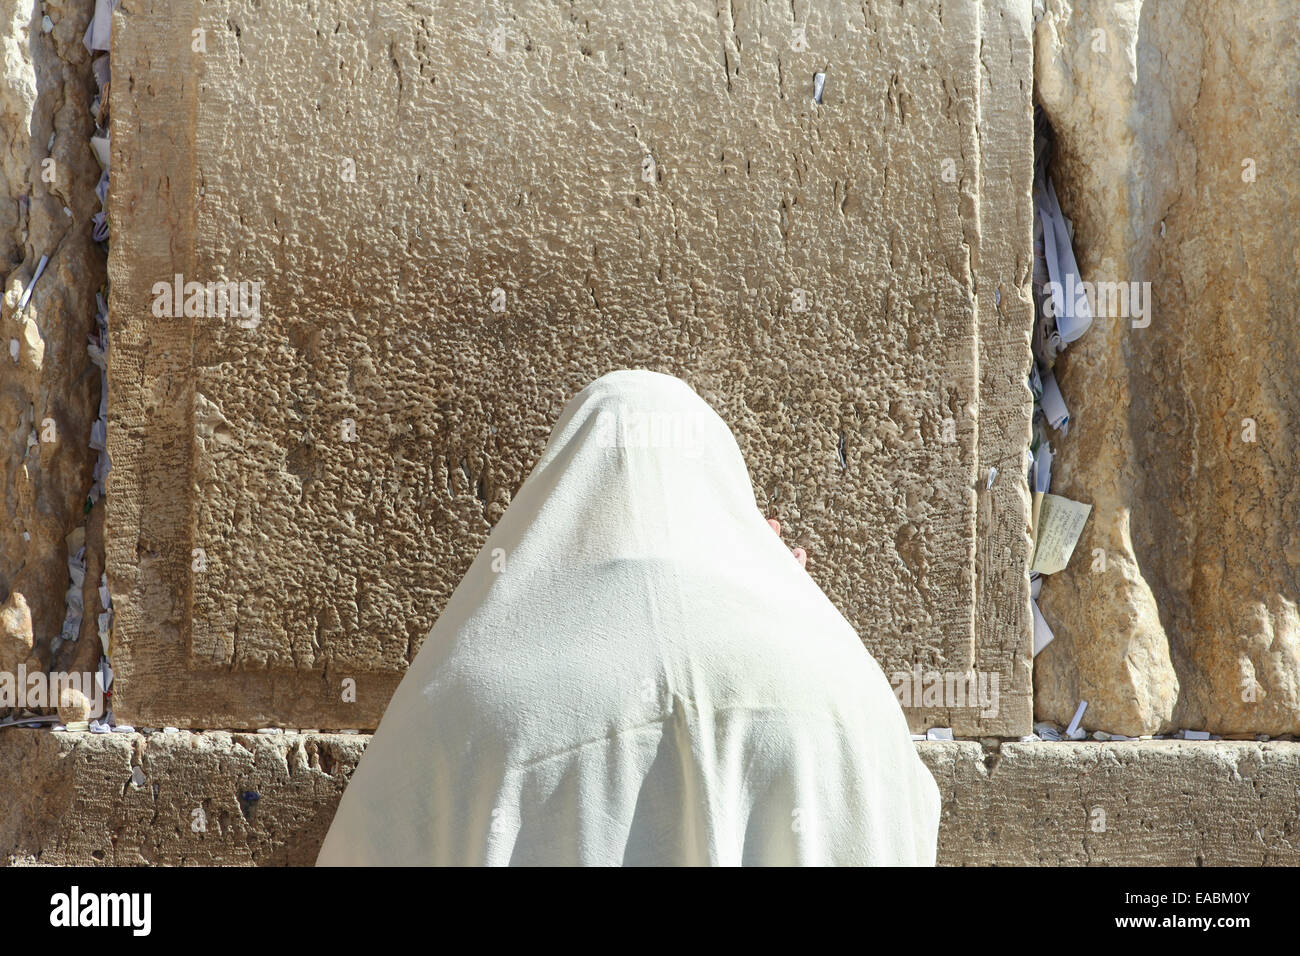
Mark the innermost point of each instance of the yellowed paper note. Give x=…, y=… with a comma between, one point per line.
x=1057, y=524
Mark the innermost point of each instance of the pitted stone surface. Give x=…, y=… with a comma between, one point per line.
x=171, y=799
x=250, y=799
x=647, y=185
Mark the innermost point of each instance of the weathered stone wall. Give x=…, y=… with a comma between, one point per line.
x=383, y=170
x=1177, y=154
x=249, y=799
x=459, y=217
x=49, y=387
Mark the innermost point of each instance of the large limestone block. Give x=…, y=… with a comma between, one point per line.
x=1178, y=156
x=459, y=217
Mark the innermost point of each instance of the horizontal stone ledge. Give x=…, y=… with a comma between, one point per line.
x=1151, y=802
x=221, y=798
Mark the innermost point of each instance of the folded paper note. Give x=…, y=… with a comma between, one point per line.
x=1043, y=468
x=1042, y=633
x=100, y=29
x=1074, y=731
x=1057, y=524
x=1053, y=404
x=1069, y=305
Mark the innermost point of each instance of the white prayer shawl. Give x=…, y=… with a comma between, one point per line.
x=635, y=670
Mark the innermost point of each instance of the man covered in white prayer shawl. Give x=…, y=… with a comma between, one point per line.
x=635, y=671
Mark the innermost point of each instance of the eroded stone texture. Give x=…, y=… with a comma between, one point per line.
x=171, y=799
x=49, y=388
x=77, y=799
x=1163, y=114
x=648, y=185
x=15, y=632
x=1140, y=803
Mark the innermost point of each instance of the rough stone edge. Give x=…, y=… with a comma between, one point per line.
x=148, y=402
x=269, y=799
x=1006, y=318
x=1000, y=191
